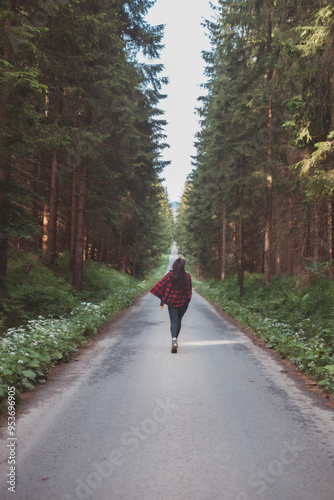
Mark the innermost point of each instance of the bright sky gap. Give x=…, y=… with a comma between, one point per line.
x=184, y=41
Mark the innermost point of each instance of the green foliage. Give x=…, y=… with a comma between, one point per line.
x=265, y=148
x=32, y=290
x=27, y=353
x=101, y=281
x=77, y=104
x=294, y=316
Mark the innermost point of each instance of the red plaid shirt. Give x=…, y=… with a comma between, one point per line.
x=172, y=297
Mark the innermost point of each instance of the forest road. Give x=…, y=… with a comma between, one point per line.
x=221, y=419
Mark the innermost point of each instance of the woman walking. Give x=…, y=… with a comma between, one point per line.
x=175, y=290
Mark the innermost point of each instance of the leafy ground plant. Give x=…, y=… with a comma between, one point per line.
x=295, y=317
x=27, y=353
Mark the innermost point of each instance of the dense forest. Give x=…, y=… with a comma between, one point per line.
x=261, y=195
x=82, y=208
x=81, y=135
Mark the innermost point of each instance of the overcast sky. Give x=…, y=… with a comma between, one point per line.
x=184, y=41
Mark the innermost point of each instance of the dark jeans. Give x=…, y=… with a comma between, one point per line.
x=176, y=314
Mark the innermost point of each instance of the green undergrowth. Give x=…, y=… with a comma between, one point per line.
x=56, y=320
x=294, y=315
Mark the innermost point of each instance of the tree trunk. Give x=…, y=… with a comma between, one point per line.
x=240, y=258
x=289, y=248
x=223, y=275
x=102, y=254
x=218, y=257
x=79, y=235
x=93, y=250
x=4, y=215
x=134, y=266
x=45, y=228
x=86, y=247
x=120, y=249
x=37, y=208
x=235, y=248
x=316, y=239
x=269, y=189
x=5, y=160
x=51, y=251
x=269, y=203
x=266, y=262
x=67, y=230
x=330, y=230
x=278, y=259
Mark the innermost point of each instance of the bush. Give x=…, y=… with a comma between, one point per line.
x=32, y=290
x=99, y=281
x=296, y=321
x=27, y=353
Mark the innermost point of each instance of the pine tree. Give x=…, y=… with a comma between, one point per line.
x=94, y=159
x=18, y=86
x=260, y=117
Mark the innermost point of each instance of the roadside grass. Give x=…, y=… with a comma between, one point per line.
x=32, y=289
x=294, y=315
x=29, y=351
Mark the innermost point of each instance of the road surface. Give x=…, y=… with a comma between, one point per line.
x=128, y=420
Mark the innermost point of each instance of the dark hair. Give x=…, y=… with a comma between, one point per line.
x=179, y=275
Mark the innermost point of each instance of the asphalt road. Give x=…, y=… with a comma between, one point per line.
x=128, y=420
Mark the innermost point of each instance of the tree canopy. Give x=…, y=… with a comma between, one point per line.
x=82, y=133
x=260, y=197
